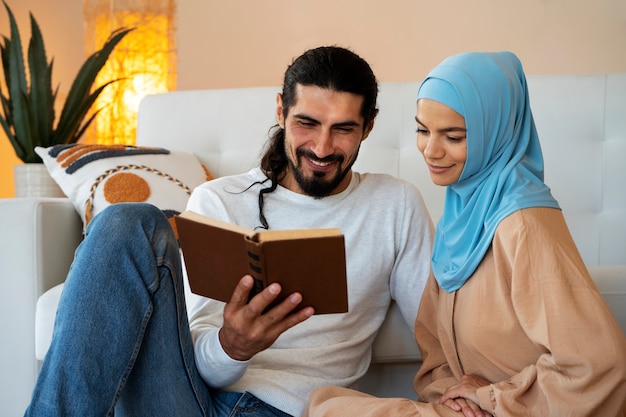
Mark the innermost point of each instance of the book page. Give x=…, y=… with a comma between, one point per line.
x=263, y=235
x=270, y=235
x=217, y=223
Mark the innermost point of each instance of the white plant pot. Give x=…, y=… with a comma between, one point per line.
x=34, y=180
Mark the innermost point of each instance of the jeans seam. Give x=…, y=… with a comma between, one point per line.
x=237, y=408
x=181, y=310
x=257, y=405
x=132, y=360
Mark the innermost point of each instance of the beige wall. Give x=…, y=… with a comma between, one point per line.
x=245, y=43
x=240, y=43
x=61, y=22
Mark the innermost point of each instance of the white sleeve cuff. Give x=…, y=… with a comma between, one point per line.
x=215, y=366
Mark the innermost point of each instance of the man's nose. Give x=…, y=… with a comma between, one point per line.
x=324, y=144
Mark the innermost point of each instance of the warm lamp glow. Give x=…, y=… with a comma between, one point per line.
x=144, y=62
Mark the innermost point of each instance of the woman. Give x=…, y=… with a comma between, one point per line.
x=510, y=323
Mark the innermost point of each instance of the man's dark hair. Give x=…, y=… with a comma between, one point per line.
x=329, y=67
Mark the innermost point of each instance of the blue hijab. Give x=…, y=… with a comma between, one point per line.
x=503, y=171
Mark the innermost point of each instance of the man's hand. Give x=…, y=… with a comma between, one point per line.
x=247, y=330
x=462, y=396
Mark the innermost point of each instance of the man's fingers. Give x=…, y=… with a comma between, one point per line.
x=242, y=291
x=285, y=307
x=259, y=303
x=282, y=316
x=248, y=328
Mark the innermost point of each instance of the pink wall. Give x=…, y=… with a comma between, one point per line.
x=241, y=43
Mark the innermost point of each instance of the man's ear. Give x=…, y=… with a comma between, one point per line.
x=279, y=110
x=368, y=129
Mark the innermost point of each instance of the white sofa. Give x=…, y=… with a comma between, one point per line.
x=581, y=122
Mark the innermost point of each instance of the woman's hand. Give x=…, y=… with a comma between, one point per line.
x=462, y=396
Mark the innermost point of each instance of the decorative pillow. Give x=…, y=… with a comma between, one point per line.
x=96, y=176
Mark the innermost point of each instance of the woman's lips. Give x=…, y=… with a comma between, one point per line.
x=438, y=169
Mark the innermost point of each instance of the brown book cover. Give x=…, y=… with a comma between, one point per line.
x=309, y=261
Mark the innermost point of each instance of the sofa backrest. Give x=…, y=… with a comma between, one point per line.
x=581, y=120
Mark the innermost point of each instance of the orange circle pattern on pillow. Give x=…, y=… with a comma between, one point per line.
x=95, y=176
x=105, y=178
x=126, y=187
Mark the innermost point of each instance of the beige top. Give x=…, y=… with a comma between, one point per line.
x=530, y=320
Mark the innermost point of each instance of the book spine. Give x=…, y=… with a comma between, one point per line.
x=256, y=266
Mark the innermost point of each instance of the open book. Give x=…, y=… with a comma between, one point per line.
x=310, y=261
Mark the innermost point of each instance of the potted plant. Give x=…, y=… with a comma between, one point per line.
x=28, y=111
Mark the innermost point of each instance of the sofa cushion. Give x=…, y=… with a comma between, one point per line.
x=94, y=176
x=45, y=314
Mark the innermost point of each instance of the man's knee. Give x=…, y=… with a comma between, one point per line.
x=128, y=218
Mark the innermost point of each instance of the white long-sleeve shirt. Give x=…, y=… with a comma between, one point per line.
x=388, y=236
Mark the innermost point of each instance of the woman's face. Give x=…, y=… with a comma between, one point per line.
x=441, y=138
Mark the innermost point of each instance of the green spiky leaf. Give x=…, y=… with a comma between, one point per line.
x=79, y=99
x=28, y=112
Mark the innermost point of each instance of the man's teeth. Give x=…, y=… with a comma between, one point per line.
x=320, y=163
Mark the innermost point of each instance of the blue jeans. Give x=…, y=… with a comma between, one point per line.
x=121, y=342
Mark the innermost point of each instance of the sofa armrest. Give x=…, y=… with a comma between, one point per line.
x=37, y=242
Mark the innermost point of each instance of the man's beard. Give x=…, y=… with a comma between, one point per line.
x=317, y=186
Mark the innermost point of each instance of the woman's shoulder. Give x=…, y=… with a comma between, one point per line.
x=532, y=219
x=531, y=229
x=537, y=233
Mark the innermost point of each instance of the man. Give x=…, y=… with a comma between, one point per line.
x=122, y=341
